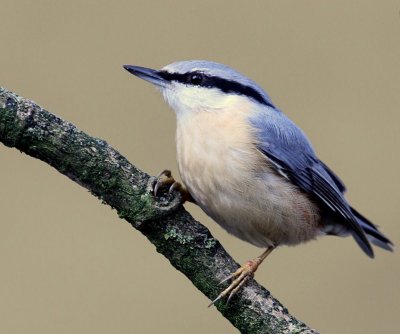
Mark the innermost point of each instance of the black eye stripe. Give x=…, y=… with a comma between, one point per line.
x=226, y=86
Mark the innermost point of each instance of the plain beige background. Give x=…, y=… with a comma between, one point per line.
x=69, y=265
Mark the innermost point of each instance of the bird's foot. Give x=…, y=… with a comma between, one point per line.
x=165, y=179
x=239, y=277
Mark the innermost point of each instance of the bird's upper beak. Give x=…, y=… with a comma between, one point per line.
x=147, y=74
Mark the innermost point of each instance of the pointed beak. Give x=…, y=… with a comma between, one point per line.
x=147, y=74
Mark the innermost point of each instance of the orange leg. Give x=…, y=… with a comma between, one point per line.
x=241, y=275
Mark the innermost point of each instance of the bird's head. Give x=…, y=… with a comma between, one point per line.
x=198, y=86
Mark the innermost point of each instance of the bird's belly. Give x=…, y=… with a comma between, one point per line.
x=245, y=196
x=264, y=214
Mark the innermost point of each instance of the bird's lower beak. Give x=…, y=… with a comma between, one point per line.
x=147, y=74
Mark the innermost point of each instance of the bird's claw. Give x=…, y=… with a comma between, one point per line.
x=162, y=179
x=165, y=178
x=240, y=277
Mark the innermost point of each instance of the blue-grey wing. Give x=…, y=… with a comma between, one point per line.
x=286, y=146
x=339, y=183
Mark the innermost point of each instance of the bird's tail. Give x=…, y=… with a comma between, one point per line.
x=372, y=232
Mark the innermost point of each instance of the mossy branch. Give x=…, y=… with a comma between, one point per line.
x=186, y=243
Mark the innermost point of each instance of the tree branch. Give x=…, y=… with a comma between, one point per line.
x=186, y=243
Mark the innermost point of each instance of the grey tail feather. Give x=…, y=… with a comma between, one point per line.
x=372, y=232
x=363, y=243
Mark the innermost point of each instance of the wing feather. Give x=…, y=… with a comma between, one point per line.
x=290, y=152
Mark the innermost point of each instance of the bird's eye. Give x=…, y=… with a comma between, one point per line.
x=195, y=79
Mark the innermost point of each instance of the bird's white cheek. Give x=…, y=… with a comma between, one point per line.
x=171, y=98
x=177, y=101
x=186, y=100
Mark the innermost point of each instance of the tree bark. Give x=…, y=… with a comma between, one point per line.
x=186, y=243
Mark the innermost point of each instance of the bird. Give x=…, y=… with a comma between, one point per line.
x=249, y=167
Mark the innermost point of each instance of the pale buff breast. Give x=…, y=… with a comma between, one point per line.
x=234, y=184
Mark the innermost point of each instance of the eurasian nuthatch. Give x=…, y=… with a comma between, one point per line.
x=249, y=167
